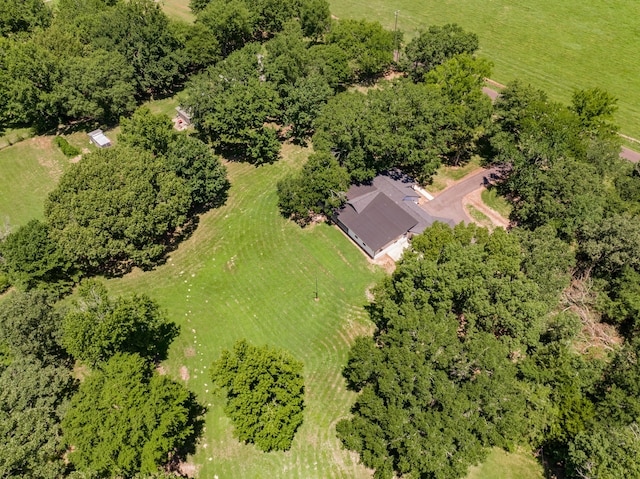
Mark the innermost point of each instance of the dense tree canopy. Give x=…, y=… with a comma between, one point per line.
x=127, y=419
x=31, y=258
x=117, y=208
x=33, y=399
x=30, y=326
x=264, y=389
x=97, y=327
x=437, y=44
x=438, y=380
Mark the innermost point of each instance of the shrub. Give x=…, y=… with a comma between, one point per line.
x=65, y=147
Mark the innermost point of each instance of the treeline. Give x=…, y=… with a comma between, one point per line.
x=522, y=339
x=122, y=419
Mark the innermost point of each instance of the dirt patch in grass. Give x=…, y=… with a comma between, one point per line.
x=189, y=352
x=184, y=373
x=188, y=469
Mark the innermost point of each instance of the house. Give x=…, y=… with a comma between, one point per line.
x=98, y=138
x=383, y=215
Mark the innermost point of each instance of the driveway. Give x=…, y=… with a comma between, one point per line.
x=448, y=203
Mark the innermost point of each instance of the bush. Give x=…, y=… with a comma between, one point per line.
x=65, y=147
x=4, y=282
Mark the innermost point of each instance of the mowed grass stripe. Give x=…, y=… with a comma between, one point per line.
x=248, y=273
x=558, y=46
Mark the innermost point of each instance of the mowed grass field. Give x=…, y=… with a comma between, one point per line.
x=246, y=272
x=558, y=46
x=29, y=170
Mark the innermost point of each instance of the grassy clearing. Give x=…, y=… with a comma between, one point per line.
x=558, y=46
x=30, y=170
x=248, y=273
x=12, y=136
x=166, y=106
x=497, y=203
x=447, y=175
x=505, y=465
x=178, y=10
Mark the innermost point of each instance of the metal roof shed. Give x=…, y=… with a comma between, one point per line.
x=98, y=138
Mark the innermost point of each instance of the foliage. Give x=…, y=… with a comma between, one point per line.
x=230, y=106
x=98, y=86
x=439, y=380
x=33, y=400
x=402, y=125
x=368, y=45
x=147, y=131
x=304, y=104
x=65, y=147
x=31, y=258
x=461, y=79
x=96, y=327
x=24, y=16
x=116, y=209
x=141, y=33
x=30, y=326
x=127, y=419
x=332, y=63
x=436, y=45
x=317, y=188
x=231, y=22
x=264, y=389
x=428, y=404
x=315, y=18
x=605, y=451
x=206, y=177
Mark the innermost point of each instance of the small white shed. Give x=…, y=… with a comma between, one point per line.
x=98, y=138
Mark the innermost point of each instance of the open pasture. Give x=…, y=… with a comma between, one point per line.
x=558, y=46
x=248, y=273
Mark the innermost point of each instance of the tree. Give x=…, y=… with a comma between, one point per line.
x=332, y=63
x=287, y=56
x=318, y=188
x=264, y=389
x=127, y=419
x=151, y=132
x=31, y=258
x=231, y=22
x=33, y=399
x=30, y=326
x=116, y=209
x=368, y=44
x=437, y=45
x=206, y=177
x=429, y=403
x=140, y=31
x=461, y=79
x=605, y=451
x=23, y=16
x=304, y=104
x=97, y=327
x=100, y=86
x=230, y=106
x=315, y=18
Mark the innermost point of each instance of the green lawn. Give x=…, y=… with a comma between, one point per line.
x=505, y=465
x=558, y=46
x=497, y=203
x=248, y=273
x=447, y=175
x=30, y=170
